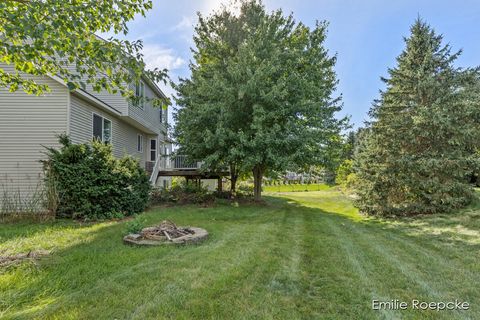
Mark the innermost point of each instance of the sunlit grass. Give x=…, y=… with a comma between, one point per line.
x=295, y=187
x=47, y=236
x=307, y=255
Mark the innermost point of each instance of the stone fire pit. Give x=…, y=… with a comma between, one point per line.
x=166, y=233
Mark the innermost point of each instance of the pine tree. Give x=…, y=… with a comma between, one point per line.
x=415, y=158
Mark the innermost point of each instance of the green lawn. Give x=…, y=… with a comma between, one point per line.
x=302, y=255
x=295, y=187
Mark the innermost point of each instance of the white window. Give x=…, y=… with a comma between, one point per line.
x=153, y=150
x=102, y=129
x=140, y=94
x=163, y=115
x=139, y=143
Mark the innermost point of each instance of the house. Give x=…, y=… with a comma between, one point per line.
x=29, y=122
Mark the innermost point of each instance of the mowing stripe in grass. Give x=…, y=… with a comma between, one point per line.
x=364, y=269
x=299, y=256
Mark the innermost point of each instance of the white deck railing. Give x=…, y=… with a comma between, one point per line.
x=170, y=163
x=180, y=163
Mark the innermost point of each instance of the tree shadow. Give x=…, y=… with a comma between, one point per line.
x=102, y=262
x=458, y=228
x=27, y=228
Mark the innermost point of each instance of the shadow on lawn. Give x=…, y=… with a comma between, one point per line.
x=102, y=260
x=23, y=229
x=458, y=228
x=72, y=272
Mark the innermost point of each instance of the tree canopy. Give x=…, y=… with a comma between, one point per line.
x=417, y=153
x=260, y=94
x=57, y=37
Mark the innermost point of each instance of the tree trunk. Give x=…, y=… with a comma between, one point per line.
x=220, y=184
x=233, y=179
x=257, y=182
x=233, y=183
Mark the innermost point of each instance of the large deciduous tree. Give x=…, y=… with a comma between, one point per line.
x=417, y=155
x=260, y=93
x=57, y=37
x=204, y=130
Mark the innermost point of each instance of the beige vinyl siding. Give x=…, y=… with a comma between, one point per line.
x=124, y=136
x=148, y=116
x=116, y=100
x=26, y=123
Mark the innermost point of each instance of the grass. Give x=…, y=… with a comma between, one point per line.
x=299, y=256
x=295, y=187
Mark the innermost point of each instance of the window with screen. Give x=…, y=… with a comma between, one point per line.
x=102, y=129
x=153, y=149
x=140, y=94
x=139, y=143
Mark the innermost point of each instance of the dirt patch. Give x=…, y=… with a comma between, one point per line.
x=6, y=261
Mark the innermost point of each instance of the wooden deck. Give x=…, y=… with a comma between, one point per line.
x=178, y=167
x=193, y=174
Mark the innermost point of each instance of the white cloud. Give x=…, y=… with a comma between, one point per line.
x=156, y=56
x=209, y=6
x=185, y=24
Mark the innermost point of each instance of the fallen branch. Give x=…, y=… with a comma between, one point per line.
x=166, y=235
x=166, y=229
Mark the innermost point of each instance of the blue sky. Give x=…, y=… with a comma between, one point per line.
x=366, y=36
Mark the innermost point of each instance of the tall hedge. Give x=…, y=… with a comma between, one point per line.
x=415, y=158
x=92, y=184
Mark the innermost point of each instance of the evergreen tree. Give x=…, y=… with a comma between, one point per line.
x=414, y=158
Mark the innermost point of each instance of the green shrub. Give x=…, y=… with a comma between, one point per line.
x=182, y=193
x=161, y=195
x=92, y=184
x=135, y=226
x=222, y=194
x=343, y=171
x=134, y=185
x=245, y=189
x=352, y=181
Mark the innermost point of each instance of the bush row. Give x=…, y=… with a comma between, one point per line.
x=182, y=193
